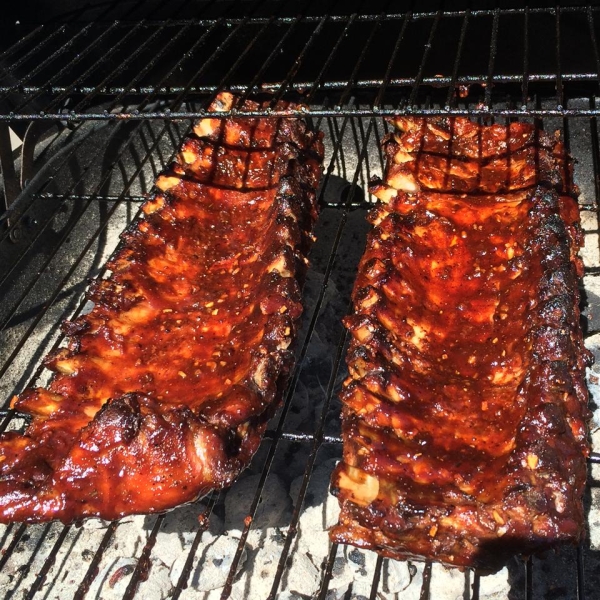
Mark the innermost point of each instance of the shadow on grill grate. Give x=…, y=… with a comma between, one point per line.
x=109, y=84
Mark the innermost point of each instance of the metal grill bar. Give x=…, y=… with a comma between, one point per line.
x=388, y=73
x=425, y=589
x=432, y=111
x=559, y=83
x=143, y=565
x=93, y=568
x=301, y=85
x=185, y=573
x=491, y=62
x=476, y=584
x=84, y=197
x=39, y=580
x=328, y=571
x=13, y=544
x=525, y=83
x=451, y=98
x=362, y=17
x=376, y=578
x=412, y=101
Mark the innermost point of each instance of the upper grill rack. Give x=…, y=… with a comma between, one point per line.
x=511, y=62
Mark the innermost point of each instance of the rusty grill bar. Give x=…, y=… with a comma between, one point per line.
x=108, y=126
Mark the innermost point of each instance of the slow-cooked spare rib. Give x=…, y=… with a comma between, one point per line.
x=165, y=388
x=464, y=413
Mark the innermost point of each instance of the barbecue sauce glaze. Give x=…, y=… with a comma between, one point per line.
x=464, y=415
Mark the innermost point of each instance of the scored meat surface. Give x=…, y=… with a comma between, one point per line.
x=464, y=413
x=165, y=388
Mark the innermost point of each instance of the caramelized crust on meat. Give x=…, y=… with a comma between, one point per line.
x=166, y=386
x=456, y=155
x=464, y=419
x=458, y=137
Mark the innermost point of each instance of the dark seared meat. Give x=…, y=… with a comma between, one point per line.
x=463, y=138
x=464, y=419
x=516, y=171
x=165, y=388
x=456, y=155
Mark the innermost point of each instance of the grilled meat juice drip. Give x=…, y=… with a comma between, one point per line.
x=164, y=389
x=464, y=413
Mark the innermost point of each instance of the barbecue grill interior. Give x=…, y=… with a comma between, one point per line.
x=103, y=96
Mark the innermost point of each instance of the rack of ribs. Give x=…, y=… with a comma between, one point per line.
x=163, y=391
x=464, y=413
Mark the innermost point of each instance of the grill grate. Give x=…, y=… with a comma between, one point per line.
x=111, y=124
x=471, y=60
x=44, y=555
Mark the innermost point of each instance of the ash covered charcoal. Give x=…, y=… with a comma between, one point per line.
x=264, y=548
x=354, y=568
x=111, y=583
x=260, y=556
x=75, y=555
x=496, y=586
x=273, y=510
x=179, y=529
x=211, y=565
x=319, y=513
x=302, y=577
